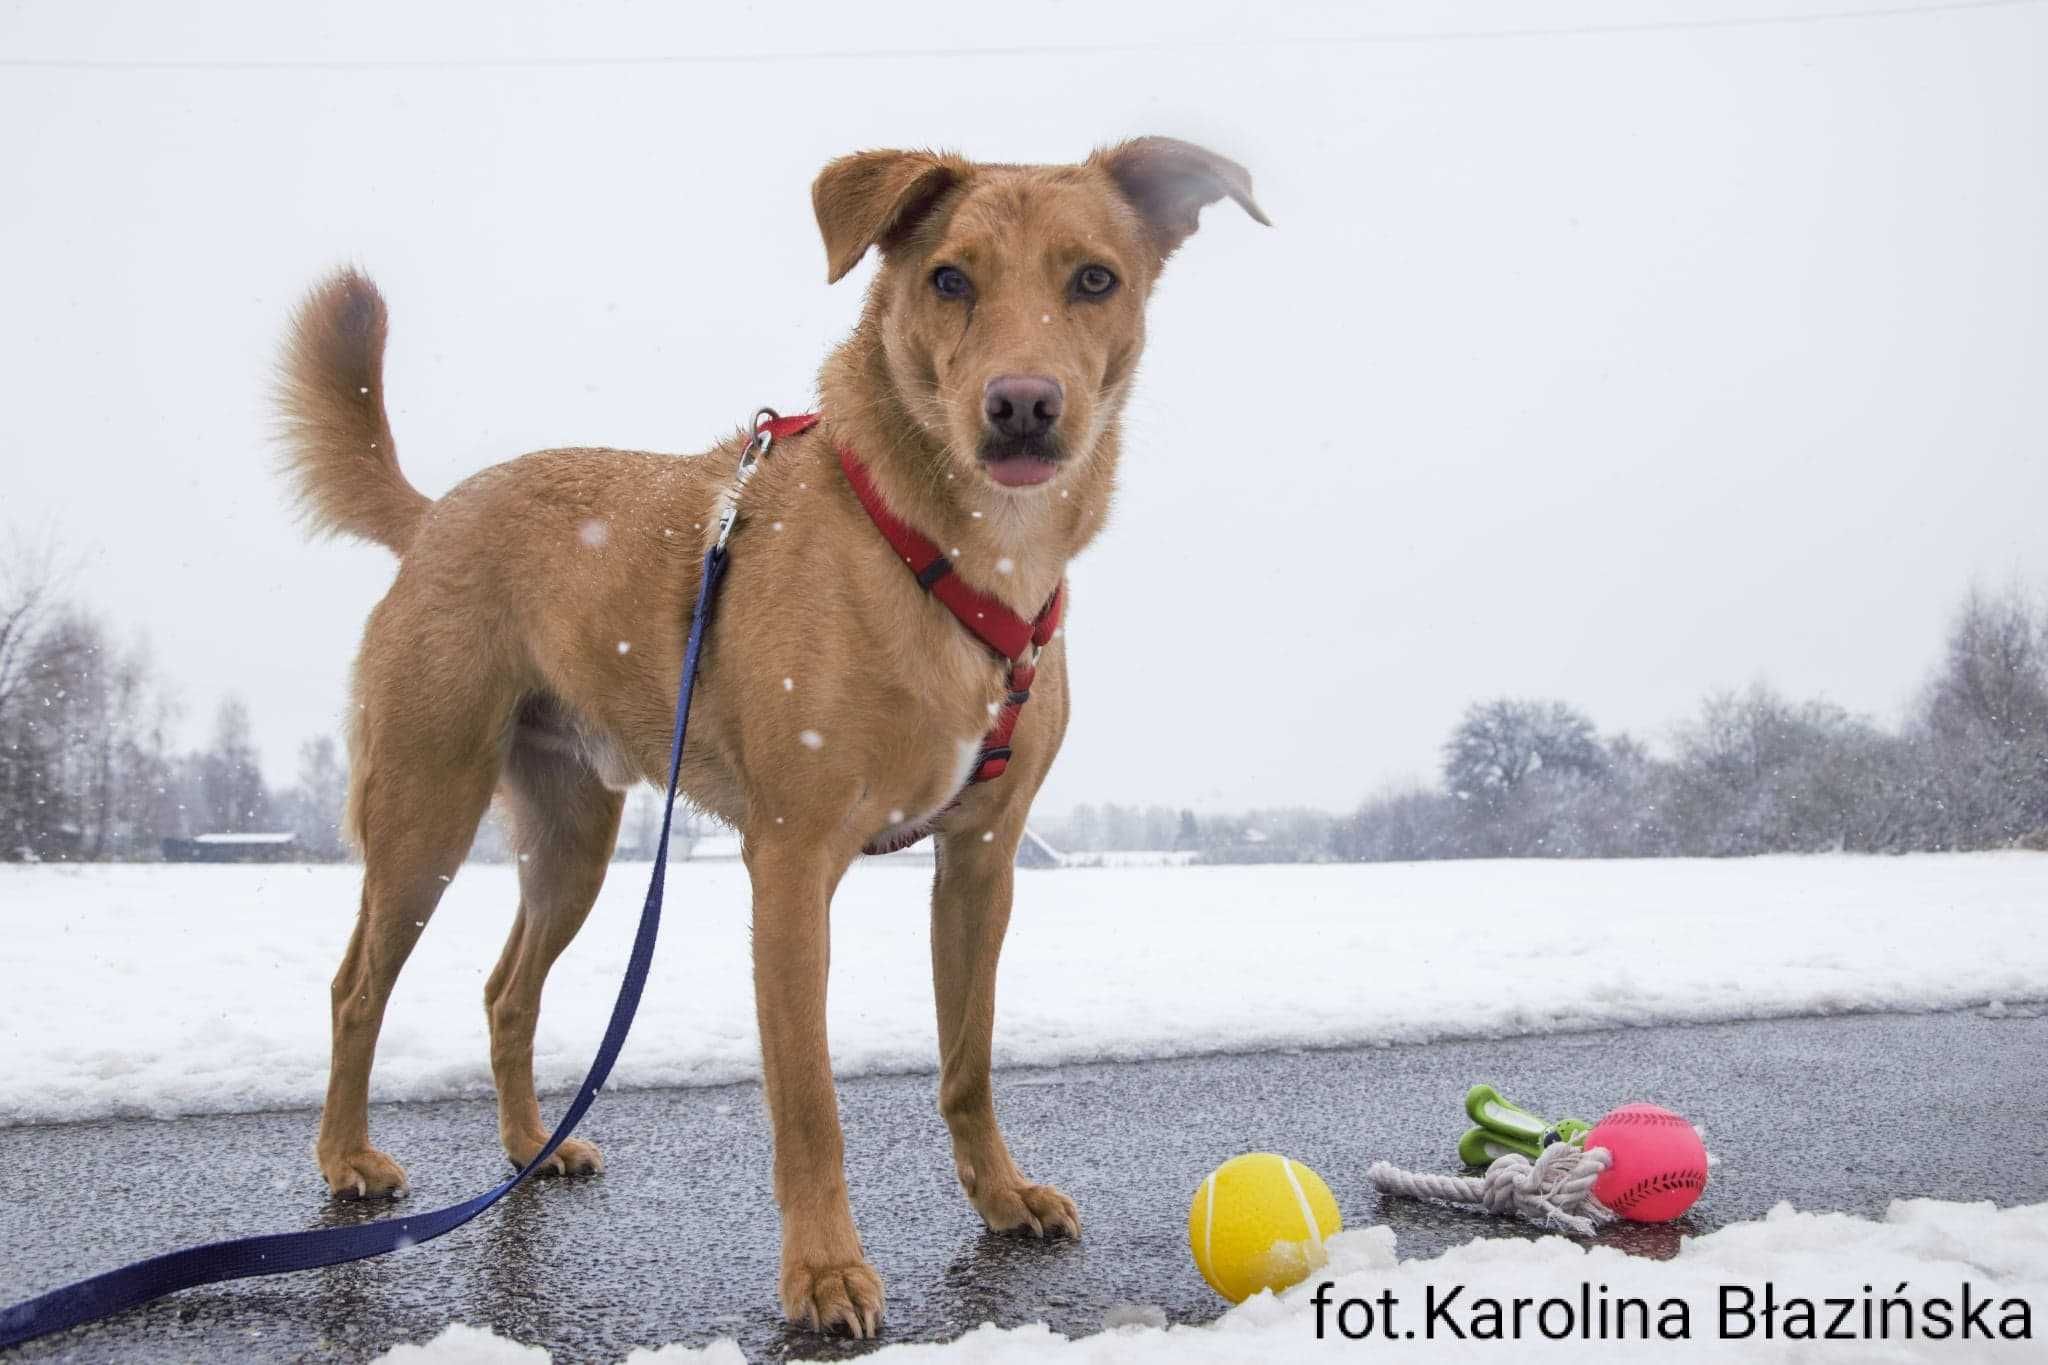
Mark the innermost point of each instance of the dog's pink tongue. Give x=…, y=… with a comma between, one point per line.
x=1020, y=471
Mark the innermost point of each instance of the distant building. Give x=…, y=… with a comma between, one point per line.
x=1034, y=851
x=233, y=848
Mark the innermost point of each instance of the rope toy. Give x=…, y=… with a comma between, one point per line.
x=1555, y=1190
x=1641, y=1162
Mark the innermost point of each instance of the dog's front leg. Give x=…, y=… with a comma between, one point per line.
x=825, y=1281
x=970, y=914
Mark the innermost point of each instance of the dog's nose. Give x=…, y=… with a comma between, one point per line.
x=1021, y=405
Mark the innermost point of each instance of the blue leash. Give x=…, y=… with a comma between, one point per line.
x=281, y=1252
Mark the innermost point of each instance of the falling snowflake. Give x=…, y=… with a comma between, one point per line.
x=595, y=533
x=811, y=739
x=895, y=817
x=988, y=836
x=975, y=515
x=789, y=684
x=625, y=646
x=1005, y=566
x=775, y=526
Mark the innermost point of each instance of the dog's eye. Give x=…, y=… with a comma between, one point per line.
x=1094, y=281
x=951, y=283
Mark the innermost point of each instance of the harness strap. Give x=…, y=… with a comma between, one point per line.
x=795, y=424
x=1007, y=634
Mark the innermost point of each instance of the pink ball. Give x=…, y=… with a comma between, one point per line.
x=1660, y=1164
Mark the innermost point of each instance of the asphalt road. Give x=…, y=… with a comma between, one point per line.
x=677, y=1241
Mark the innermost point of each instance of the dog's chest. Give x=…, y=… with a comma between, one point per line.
x=931, y=723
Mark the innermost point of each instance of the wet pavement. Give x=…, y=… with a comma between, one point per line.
x=677, y=1241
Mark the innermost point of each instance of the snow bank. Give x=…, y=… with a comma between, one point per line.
x=181, y=989
x=1912, y=1270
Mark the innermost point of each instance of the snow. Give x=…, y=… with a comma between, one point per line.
x=199, y=988
x=1922, y=1251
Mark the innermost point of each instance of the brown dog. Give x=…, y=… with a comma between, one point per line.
x=531, y=643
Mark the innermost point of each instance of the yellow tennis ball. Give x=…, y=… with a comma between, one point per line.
x=1259, y=1222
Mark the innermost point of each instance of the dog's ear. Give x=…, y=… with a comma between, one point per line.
x=1169, y=182
x=874, y=198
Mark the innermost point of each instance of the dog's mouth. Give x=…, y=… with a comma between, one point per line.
x=1020, y=463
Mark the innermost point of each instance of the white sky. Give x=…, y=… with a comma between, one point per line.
x=1611, y=366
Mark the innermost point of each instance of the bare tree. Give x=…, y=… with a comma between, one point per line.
x=1500, y=743
x=31, y=823
x=30, y=577
x=1980, y=730
x=1993, y=678
x=313, y=806
x=231, y=786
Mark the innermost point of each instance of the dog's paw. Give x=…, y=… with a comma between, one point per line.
x=1023, y=1207
x=365, y=1173
x=839, y=1298
x=573, y=1157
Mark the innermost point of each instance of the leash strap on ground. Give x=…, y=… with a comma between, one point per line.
x=278, y=1253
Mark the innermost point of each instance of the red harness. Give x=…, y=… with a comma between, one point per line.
x=1007, y=635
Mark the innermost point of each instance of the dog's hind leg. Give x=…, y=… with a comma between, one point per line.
x=423, y=781
x=564, y=823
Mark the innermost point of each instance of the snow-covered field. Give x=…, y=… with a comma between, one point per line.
x=1909, y=1270
x=177, y=989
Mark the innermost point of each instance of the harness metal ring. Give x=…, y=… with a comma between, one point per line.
x=750, y=457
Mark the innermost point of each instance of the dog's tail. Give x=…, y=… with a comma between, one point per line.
x=338, y=448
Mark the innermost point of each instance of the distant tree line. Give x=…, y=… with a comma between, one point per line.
x=1749, y=772
x=88, y=768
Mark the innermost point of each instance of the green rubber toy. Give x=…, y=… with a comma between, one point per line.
x=1505, y=1127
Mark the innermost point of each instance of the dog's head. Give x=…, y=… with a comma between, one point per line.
x=1010, y=305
